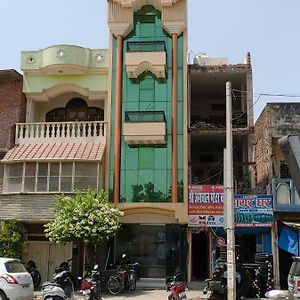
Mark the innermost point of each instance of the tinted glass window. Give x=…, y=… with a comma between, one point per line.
x=14, y=266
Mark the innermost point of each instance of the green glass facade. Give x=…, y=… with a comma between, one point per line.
x=146, y=172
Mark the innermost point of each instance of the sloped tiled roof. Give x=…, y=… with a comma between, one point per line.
x=56, y=151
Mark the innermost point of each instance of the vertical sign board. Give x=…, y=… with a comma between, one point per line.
x=206, y=208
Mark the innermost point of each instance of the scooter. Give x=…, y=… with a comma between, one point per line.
x=60, y=288
x=91, y=285
x=177, y=287
x=33, y=271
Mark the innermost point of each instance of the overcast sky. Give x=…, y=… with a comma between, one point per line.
x=268, y=29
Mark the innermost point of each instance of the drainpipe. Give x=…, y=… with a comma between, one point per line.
x=118, y=112
x=174, y=118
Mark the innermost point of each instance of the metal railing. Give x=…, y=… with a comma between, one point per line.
x=59, y=131
x=146, y=46
x=144, y=116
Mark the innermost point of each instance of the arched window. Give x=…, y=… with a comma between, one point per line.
x=75, y=110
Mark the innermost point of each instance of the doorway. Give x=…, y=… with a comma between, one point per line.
x=200, y=256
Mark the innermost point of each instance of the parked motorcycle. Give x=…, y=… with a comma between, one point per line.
x=91, y=285
x=33, y=271
x=129, y=274
x=62, y=285
x=177, y=287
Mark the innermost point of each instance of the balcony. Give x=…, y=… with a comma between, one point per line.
x=145, y=128
x=52, y=132
x=146, y=56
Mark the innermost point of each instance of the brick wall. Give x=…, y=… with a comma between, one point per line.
x=12, y=107
x=263, y=149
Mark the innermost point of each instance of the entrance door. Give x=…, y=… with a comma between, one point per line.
x=47, y=256
x=200, y=256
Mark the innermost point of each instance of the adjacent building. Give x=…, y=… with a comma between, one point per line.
x=59, y=141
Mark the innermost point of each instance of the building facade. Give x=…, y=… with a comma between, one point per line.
x=276, y=121
x=148, y=132
x=59, y=146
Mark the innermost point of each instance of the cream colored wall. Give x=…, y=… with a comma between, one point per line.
x=41, y=108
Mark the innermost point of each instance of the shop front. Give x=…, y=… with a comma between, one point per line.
x=206, y=223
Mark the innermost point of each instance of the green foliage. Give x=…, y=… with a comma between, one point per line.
x=12, y=239
x=147, y=193
x=87, y=216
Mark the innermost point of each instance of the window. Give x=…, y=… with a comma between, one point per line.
x=13, y=177
x=75, y=110
x=44, y=177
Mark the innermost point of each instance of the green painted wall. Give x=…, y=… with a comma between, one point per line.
x=146, y=171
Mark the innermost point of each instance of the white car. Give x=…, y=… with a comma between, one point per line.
x=15, y=281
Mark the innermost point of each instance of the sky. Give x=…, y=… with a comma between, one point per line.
x=268, y=29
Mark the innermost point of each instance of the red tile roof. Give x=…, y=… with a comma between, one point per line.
x=56, y=151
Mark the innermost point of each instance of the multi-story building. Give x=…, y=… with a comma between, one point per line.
x=59, y=147
x=207, y=79
x=148, y=131
x=278, y=120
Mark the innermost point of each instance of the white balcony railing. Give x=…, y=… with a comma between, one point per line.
x=47, y=132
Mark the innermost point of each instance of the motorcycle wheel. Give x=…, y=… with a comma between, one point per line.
x=132, y=281
x=114, y=286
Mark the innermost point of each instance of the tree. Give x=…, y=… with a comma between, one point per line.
x=12, y=239
x=86, y=216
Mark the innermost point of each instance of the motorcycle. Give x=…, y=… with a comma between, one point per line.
x=62, y=285
x=129, y=281
x=177, y=287
x=33, y=271
x=91, y=285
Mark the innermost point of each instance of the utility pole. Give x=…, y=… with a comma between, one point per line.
x=231, y=268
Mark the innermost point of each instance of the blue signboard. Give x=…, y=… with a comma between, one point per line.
x=253, y=210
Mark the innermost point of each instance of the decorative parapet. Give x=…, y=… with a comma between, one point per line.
x=120, y=15
x=66, y=59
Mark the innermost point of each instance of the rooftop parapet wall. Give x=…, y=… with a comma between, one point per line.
x=51, y=60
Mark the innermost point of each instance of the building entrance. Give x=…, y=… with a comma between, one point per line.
x=200, y=256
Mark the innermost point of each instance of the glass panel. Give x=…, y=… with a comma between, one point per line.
x=85, y=182
x=29, y=184
x=66, y=169
x=146, y=158
x=66, y=184
x=42, y=184
x=86, y=169
x=14, y=170
x=145, y=244
x=54, y=169
x=42, y=169
x=12, y=184
x=53, y=184
x=30, y=169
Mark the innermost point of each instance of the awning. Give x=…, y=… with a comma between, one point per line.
x=55, y=151
x=291, y=224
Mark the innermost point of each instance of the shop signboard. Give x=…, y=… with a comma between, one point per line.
x=206, y=208
x=253, y=210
